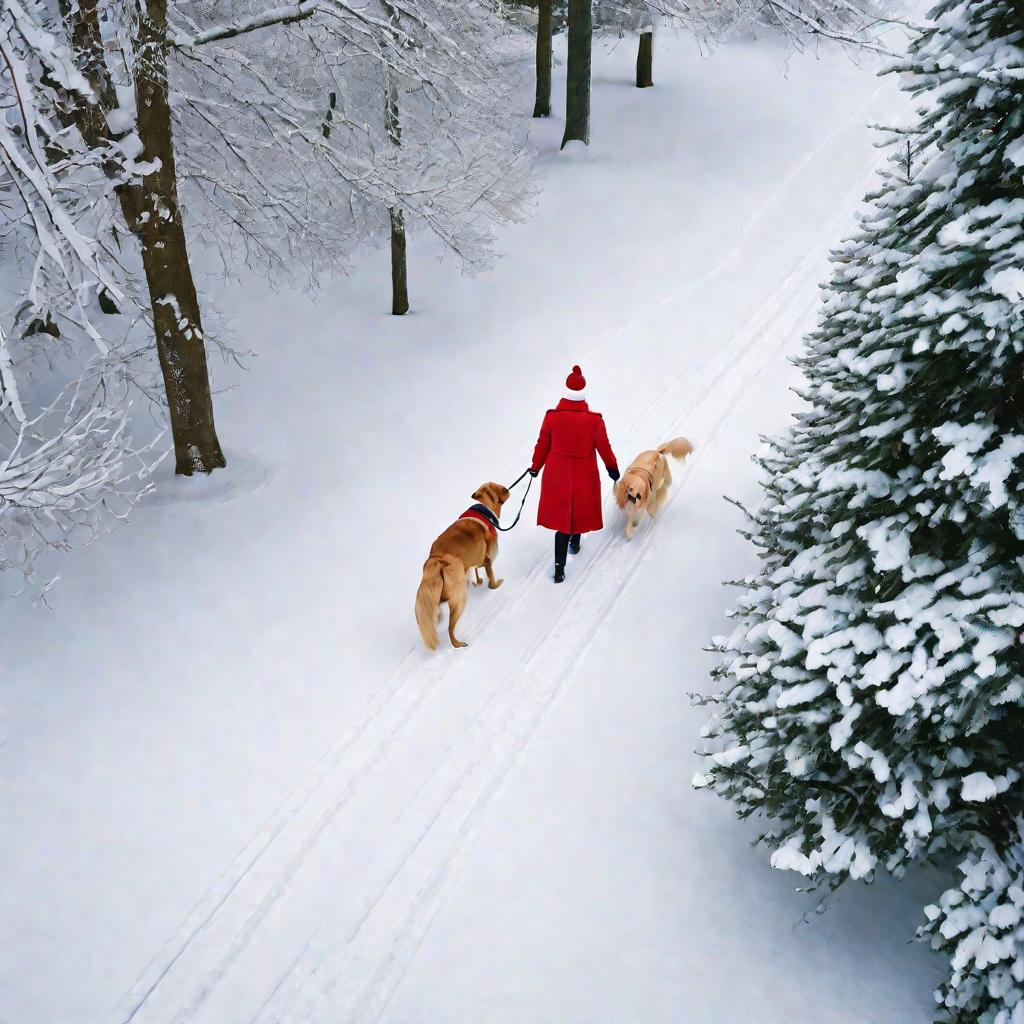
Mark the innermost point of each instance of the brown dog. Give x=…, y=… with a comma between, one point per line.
x=470, y=542
x=644, y=486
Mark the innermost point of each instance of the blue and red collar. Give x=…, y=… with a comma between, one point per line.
x=484, y=515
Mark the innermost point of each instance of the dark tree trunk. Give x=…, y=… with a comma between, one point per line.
x=155, y=218
x=399, y=266
x=580, y=26
x=645, y=59
x=542, y=104
x=152, y=213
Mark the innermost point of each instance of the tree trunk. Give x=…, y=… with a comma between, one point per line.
x=155, y=218
x=577, y=98
x=542, y=104
x=399, y=266
x=645, y=59
x=152, y=213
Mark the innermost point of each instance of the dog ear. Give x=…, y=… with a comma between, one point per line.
x=505, y=494
x=479, y=493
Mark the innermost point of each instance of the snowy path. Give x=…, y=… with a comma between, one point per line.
x=415, y=857
x=326, y=911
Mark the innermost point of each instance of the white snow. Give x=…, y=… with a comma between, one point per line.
x=978, y=786
x=1009, y=283
x=237, y=789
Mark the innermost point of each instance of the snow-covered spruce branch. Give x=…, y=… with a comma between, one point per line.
x=979, y=926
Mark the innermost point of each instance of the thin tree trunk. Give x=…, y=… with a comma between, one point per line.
x=399, y=263
x=580, y=26
x=393, y=127
x=542, y=104
x=645, y=59
x=155, y=218
x=399, y=266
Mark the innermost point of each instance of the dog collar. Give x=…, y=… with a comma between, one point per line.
x=484, y=515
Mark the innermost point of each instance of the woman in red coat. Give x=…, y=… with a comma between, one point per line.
x=570, y=491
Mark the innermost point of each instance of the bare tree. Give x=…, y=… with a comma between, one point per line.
x=460, y=152
x=131, y=131
x=399, y=259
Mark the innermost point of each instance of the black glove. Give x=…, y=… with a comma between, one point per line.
x=614, y=474
x=533, y=472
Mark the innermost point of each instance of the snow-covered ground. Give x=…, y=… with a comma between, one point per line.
x=235, y=788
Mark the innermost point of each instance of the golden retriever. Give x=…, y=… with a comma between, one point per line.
x=644, y=486
x=468, y=543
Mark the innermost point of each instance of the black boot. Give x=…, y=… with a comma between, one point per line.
x=574, y=543
x=561, y=547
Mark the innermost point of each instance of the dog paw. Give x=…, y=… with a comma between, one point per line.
x=459, y=643
x=495, y=584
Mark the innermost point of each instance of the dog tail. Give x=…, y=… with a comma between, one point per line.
x=678, y=448
x=428, y=600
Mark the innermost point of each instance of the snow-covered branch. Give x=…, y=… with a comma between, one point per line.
x=65, y=473
x=284, y=15
x=847, y=23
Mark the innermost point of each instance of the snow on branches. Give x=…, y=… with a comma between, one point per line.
x=68, y=464
x=65, y=474
x=873, y=696
x=979, y=925
x=129, y=133
x=851, y=23
x=298, y=168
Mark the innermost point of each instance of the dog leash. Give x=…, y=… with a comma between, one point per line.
x=505, y=529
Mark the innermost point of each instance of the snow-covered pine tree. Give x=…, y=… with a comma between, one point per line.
x=873, y=702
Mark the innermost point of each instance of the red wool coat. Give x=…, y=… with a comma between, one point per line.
x=570, y=490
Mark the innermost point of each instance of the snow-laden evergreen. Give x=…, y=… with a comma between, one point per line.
x=873, y=688
x=980, y=925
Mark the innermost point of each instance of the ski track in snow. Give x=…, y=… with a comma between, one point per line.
x=348, y=974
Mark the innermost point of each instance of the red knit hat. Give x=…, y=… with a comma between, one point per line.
x=576, y=385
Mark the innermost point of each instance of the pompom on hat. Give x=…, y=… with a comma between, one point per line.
x=576, y=386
